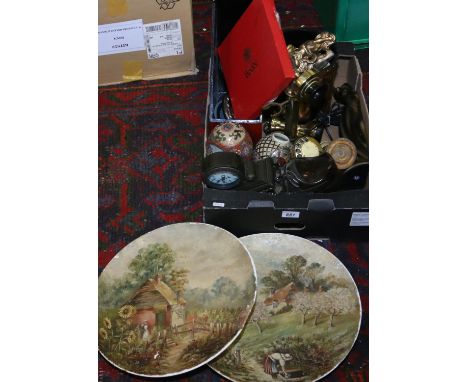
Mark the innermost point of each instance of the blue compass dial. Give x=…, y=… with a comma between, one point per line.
x=223, y=178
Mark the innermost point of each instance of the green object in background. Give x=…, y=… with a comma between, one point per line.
x=347, y=19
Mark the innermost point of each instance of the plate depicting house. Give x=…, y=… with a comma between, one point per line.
x=174, y=299
x=306, y=318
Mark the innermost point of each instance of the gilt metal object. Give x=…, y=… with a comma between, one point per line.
x=312, y=54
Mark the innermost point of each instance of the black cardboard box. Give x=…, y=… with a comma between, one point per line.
x=341, y=214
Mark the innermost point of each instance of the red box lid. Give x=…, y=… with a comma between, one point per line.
x=255, y=60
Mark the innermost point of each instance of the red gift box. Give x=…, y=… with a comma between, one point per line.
x=255, y=60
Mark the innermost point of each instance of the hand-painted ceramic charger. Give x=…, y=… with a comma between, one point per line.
x=306, y=318
x=174, y=299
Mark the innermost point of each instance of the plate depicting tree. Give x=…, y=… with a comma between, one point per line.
x=174, y=299
x=306, y=318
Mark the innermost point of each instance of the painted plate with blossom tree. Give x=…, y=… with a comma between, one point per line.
x=174, y=299
x=306, y=318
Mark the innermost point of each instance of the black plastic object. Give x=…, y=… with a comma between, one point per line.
x=259, y=175
x=227, y=170
x=355, y=178
x=352, y=124
x=311, y=174
x=223, y=170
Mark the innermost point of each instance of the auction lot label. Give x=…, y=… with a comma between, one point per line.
x=121, y=37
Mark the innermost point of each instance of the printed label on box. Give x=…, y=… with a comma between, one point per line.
x=218, y=204
x=127, y=36
x=359, y=219
x=290, y=214
x=164, y=39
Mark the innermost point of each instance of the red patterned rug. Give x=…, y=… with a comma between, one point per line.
x=150, y=150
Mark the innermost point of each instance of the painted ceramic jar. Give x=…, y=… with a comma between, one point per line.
x=276, y=146
x=230, y=137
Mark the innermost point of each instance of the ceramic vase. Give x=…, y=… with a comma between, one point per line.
x=276, y=146
x=230, y=137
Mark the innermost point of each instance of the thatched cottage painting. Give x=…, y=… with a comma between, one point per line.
x=306, y=317
x=157, y=305
x=174, y=299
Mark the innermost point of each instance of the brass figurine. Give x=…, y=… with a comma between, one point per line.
x=312, y=53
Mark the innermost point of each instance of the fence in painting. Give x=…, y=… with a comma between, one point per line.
x=194, y=326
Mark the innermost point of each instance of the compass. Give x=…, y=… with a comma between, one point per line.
x=223, y=170
x=227, y=170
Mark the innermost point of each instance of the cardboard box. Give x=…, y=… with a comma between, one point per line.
x=338, y=214
x=144, y=40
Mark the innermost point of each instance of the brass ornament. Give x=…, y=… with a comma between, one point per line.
x=307, y=147
x=312, y=54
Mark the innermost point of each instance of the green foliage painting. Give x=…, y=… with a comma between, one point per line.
x=305, y=319
x=169, y=303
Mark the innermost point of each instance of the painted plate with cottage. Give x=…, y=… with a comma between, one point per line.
x=174, y=299
x=306, y=318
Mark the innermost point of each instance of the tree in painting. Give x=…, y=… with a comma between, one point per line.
x=276, y=279
x=260, y=314
x=224, y=286
x=293, y=266
x=150, y=260
x=338, y=301
x=318, y=304
x=294, y=270
x=302, y=303
x=309, y=276
x=178, y=280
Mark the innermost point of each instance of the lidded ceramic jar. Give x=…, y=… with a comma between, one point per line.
x=276, y=146
x=230, y=137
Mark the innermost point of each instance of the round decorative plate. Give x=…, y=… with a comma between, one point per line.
x=174, y=299
x=306, y=318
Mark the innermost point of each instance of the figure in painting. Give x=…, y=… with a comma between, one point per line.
x=162, y=314
x=306, y=316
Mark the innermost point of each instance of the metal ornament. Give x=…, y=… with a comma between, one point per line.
x=312, y=54
x=296, y=112
x=307, y=147
x=312, y=129
x=227, y=107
